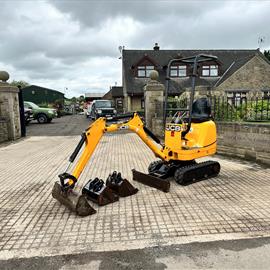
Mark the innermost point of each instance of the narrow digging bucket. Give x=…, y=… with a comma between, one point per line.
x=119, y=185
x=72, y=200
x=96, y=191
x=152, y=181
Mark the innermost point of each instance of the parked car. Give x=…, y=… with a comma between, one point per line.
x=28, y=115
x=102, y=108
x=42, y=115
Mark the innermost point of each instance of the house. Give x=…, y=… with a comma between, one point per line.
x=41, y=95
x=234, y=73
x=116, y=95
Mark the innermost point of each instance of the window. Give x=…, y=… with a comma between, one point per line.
x=142, y=103
x=31, y=105
x=236, y=98
x=144, y=71
x=210, y=71
x=103, y=104
x=178, y=71
x=266, y=94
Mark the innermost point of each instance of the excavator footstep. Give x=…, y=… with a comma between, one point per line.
x=119, y=185
x=96, y=191
x=72, y=200
x=152, y=181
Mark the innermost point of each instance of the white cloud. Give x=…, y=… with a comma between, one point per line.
x=74, y=44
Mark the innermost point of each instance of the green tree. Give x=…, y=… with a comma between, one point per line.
x=73, y=99
x=267, y=54
x=21, y=83
x=81, y=98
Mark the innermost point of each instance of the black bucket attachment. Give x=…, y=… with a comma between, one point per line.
x=72, y=200
x=98, y=192
x=152, y=181
x=122, y=187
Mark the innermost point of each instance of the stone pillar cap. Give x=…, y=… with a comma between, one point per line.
x=4, y=76
x=154, y=75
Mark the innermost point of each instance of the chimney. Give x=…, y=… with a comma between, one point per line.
x=156, y=47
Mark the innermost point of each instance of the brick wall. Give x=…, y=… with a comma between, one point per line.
x=245, y=140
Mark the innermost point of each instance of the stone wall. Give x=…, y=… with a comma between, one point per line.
x=249, y=141
x=9, y=109
x=3, y=129
x=136, y=103
x=154, y=103
x=245, y=140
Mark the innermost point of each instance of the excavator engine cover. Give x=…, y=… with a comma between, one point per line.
x=72, y=200
x=98, y=192
x=122, y=187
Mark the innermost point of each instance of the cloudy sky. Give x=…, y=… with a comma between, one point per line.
x=74, y=44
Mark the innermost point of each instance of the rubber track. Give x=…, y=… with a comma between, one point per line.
x=198, y=170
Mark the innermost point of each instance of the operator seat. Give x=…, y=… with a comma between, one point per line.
x=201, y=110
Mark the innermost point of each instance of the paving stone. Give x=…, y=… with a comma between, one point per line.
x=237, y=201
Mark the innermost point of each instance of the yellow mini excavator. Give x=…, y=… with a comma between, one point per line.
x=188, y=136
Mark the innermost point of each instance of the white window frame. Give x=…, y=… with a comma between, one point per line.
x=210, y=71
x=144, y=71
x=177, y=69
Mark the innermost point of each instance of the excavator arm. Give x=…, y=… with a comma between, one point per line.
x=92, y=135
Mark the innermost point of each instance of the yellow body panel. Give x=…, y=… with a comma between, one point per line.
x=200, y=141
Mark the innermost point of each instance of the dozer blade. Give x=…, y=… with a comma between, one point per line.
x=72, y=200
x=152, y=181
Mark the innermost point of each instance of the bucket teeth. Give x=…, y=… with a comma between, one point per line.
x=72, y=200
x=121, y=186
x=152, y=181
x=98, y=192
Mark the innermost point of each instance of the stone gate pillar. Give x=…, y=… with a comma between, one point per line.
x=9, y=106
x=154, y=104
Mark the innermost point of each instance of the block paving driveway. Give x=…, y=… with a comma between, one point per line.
x=234, y=205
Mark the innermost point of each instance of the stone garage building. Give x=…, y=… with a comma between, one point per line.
x=235, y=73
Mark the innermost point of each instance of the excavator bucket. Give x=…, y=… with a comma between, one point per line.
x=96, y=191
x=119, y=185
x=72, y=200
x=151, y=180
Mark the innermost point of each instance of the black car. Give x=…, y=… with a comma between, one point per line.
x=102, y=108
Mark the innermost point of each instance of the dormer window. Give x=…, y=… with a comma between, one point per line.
x=144, y=71
x=210, y=70
x=178, y=71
